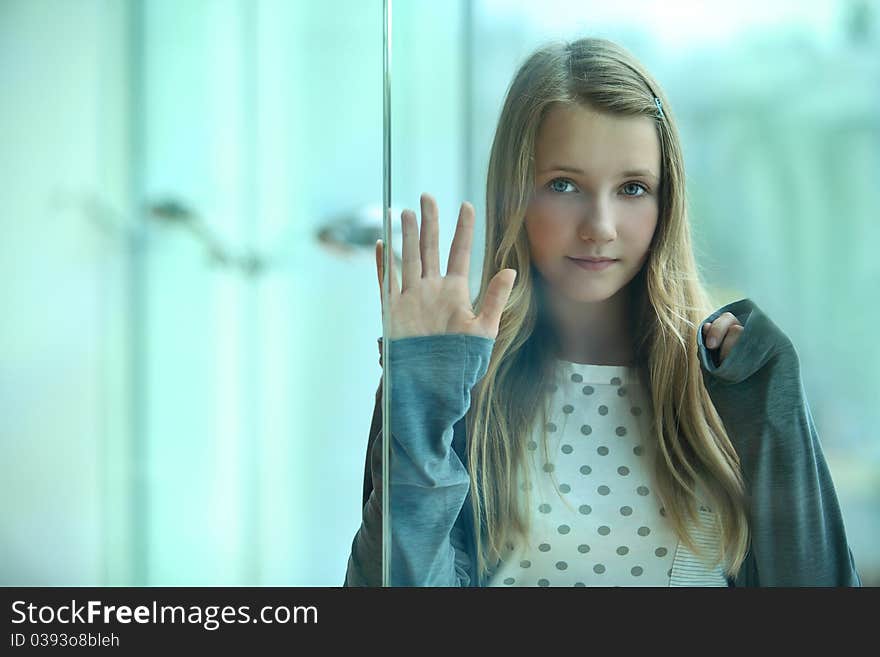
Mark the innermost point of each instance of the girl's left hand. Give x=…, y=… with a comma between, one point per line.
x=724, y=331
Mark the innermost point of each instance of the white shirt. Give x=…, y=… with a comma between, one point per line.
x=600, y=523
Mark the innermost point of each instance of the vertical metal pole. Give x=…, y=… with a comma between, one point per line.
x=386, y=292
x=467, y=77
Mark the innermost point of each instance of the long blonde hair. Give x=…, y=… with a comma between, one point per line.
x=668, y=301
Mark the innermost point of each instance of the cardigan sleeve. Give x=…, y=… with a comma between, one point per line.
x=797, y=530
x=431, y=380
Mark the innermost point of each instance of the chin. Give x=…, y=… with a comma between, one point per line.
x=591, y=293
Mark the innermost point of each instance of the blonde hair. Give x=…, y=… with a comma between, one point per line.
x=668, y=302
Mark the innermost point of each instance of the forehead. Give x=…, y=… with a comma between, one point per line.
x=580, y=137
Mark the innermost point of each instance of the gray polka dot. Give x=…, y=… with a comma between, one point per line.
x=637, y=450
x=585, y=469
x=549, y=467
x=602, y=451
x=583, y=548
x=702, y=508
x=561, y=565
x=622, y=550
x=662, y=511
x=604, y=490
x=551, y=427
x=563, y=529
x=525, y=564
x=636, y=571
x=568, y=408
x=598, y=569
x=532, y=445
x=620, y=431
x=603, y=410
x=635, y=410
x=526, y=485
x=615, y=381
x=669, y=572
x=623, y=471
x=586, y=429
x=577, y=378
x=551, y=387
x=579, y=584
x=585, y=509
x=509, y=580
x=588, y=390
x=621, y=391
x=567, y=449
x=544, y=547
x=604, y=530
x=642, y=490
x=660, y=552
x=544, y=508
x=543, y=582
x=626, y=511
x=564, y=488
x=644, y=531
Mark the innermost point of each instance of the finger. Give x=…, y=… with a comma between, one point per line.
x=428, y=244
x=716, y=332
x=412, y=259
x=730, y=340
x=460, y=251
x=393, y=284
x=379, y=269
x=497, y=294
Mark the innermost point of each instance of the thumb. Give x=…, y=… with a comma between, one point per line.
x=379, y=271
x=496, y=298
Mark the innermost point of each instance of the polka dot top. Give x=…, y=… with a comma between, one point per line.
x=594, y=518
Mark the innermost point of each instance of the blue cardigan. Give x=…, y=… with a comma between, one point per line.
x=797, y=530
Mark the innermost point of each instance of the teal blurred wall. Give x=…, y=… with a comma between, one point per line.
x=62, y=337
x=168, y=419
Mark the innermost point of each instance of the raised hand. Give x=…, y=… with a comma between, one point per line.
x=426, y=303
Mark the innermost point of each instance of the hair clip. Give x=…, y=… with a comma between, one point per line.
x=659, y=105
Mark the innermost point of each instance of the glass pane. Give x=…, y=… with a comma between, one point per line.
x=769, y=115
x=191, y=268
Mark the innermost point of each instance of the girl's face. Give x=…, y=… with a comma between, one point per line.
x=596, y=195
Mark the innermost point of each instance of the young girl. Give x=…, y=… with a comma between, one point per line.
x=590, y=420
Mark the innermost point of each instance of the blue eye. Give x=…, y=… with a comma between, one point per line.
x=636, y=186
x=559, y=180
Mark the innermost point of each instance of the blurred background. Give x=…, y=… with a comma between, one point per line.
x=192, y=192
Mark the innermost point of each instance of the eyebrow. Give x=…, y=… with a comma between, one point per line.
x=630, y=172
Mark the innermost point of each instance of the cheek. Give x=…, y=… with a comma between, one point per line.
x=641, y=224
x=548, y=223
x=650, y=229
x=542, y=230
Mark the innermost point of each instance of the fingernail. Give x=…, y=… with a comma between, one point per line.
x=711, y=342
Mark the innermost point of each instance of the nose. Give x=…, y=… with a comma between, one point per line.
x=597, y=224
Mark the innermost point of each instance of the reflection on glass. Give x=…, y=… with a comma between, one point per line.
x=603, y=420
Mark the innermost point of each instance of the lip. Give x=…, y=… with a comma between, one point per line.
x=597, y=264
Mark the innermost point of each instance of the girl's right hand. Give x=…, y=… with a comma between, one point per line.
x=430, y=304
